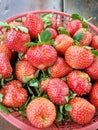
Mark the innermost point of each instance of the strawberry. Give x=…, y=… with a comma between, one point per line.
x=13, y=94
x=92, y=70
x=44, y=84
x=53, y=32
x=86, y=37
x=94, y=42
x=78, y=57
x=41, y=112
x=79, y=82
x=34, y=24
x=41, y=56
x=16, y=39
x=4, y=49
x=60, y=68
x=94, y=94
x=24, y=71
x=5, y=67
x=82, y=111
x=57, y=90
x=73, y=25
x=62, y=43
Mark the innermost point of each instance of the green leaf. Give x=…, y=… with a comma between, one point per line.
x=59, y=117
x=76, y=43
x=4, y=109
x=78, y=36
x=26, y=78
x=72, y=95
x=61, y=108
x=76, y=16
x=63, y=78
x=2, y=24
x=95, y=52
x=68, y=107
x=21, y=28
x=45, y=36
x=34, y=83
x=1, y=97
x=29, y=44
x=20, y=54
x=30, y=90
x=40, y=93
x=67, y=98
x=62, y=30
x=37, y=73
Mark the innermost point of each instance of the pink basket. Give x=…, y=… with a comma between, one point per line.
x=16, y=119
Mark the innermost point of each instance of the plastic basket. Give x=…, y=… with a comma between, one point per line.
x=16, y=119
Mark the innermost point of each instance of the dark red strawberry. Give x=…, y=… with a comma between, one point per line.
x=5, y=67
x=41, y=112
x=94, y=95
x=60, y=68
x=82, y=111
x=42, y=56
x=13, y=94
x=79, y=82
x=78, y=57
x=57, y=90
x=34, y=24
x=24, y=71
x=73, y=25
x=16, y=39
x=62, y=43
x=94, y=42
x=53, y=32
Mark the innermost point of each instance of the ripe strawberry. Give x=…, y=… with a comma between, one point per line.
x=82, y=111
x=57, y=90
x=41, y=112
x=15, y=40
x=94, y=95
x=60, y=68
x=4, y=49
x=41, y=56
x=34, y=24
x=44, y=84
x=62, y=43
x=86, y=38
x=92, y=70
x=24, y=71
x=73, y=25
x=5, y=67
x=13, y=94
x=79, y=82
x=53, y=32
x=78, y=57
x=94, y=42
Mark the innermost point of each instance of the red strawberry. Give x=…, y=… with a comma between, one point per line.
x=86, y=38
x=62, y=43
x=4, y=49
x=82, y=111
x=79, y=82
x=44, y=84
x=34, y=24
x=73, y=26
x=13, y=94
x=94, y=95
x=15, y=40
x=41, y=112
x=94, y=42
x=78, y=57
x=57, y=90
x=24, y=71
x=92, y=70
x=5, y=67
x=42, y=56
x=53, y=32
x=60, y=68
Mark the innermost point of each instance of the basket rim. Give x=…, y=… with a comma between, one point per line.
x=10, y=118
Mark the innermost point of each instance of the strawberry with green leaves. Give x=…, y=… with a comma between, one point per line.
x=34, y=24
x=41, y=112
x=13, y=94
x=60, y=68
x=24, y=71
x=79, y=82
x=82, y=110
x=53, y=32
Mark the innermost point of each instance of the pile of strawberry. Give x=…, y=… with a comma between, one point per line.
x=49, y=72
